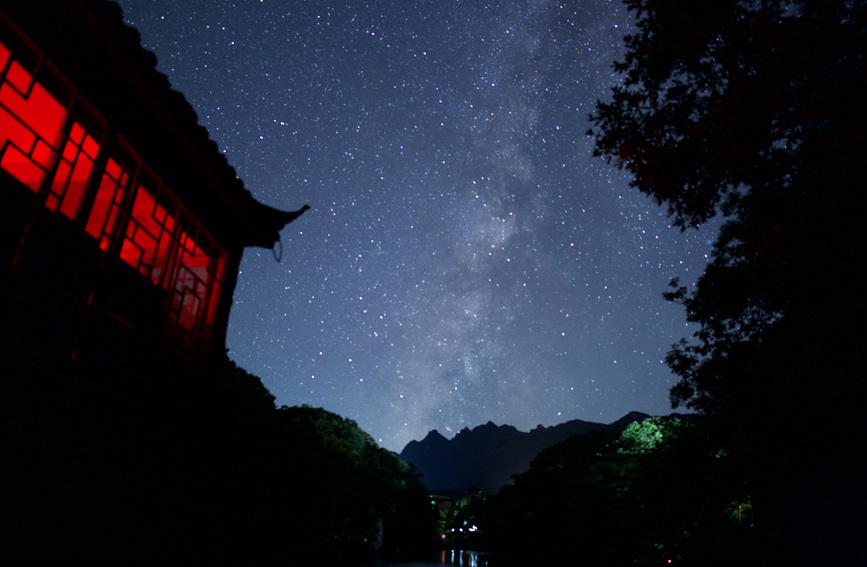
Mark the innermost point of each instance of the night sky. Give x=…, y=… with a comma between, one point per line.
x=466, y=259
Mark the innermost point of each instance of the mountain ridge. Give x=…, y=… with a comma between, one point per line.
x=486, y=457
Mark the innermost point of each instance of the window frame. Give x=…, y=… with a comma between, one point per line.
x=94, y=178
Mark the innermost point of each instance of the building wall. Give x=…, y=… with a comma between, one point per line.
x=99, y=259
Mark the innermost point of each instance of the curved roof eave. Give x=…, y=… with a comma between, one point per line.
x=88, y=41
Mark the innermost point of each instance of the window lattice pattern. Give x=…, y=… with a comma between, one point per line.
x=108, y=203
x=148, y=241
x=129, y=213
x=31, y=124
x=198, y=281
x=73, y=171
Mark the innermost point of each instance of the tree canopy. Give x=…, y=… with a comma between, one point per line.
x=107, y=469
x=753, y=110
x=649, y=495
x=725, y=99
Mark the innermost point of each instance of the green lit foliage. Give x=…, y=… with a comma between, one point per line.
x=741, y=511
x=652, y=493
x=642, y=437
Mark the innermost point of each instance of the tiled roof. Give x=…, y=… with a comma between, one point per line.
x=88, y=41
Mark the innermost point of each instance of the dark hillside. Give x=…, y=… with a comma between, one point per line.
x=132, y=469
x=485, y=458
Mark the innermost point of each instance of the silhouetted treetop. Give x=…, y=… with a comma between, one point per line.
x=718, y=99
x=754, y=110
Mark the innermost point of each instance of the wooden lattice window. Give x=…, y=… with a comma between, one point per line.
x=147, y=242
x=45, y=145
x=73, y=171
x=31, y=124
x=114, y=186
x=198, y=281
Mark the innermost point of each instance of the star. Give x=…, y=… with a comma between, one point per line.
x=465, y=258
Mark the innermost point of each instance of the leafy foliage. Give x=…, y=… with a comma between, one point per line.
x=651, y=494
x=642, y=437
x=729, y=95
x=754, y=110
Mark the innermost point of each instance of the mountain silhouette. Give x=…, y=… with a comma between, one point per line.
x=486, y=457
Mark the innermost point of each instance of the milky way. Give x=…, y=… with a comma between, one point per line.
x=465, y=259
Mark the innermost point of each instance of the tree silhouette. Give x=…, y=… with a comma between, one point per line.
x=754, y=110
x=650, y=495
x=192, y=468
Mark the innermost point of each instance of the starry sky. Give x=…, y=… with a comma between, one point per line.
x=466, y=259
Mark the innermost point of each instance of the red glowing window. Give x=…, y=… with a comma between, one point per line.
x=108, y=203
x=199, y=274
x=31, y=126
x=147, y=243
x=49, y=150
x=191, y=283
x=73, y=172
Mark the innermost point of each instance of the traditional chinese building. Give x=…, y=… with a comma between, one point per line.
x=123, y=225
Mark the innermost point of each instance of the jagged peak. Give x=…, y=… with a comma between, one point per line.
x=463, y=431
x=434, y=435
x=490, y=426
